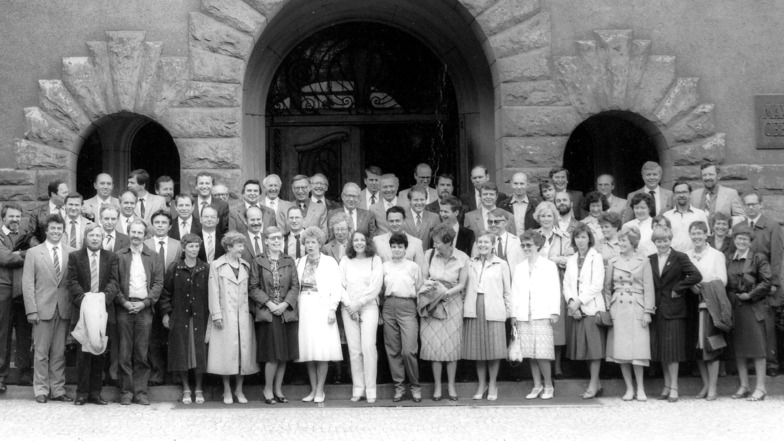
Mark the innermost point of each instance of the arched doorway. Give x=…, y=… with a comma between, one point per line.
x=612, y=142
x=359, y=94
x=123, y=142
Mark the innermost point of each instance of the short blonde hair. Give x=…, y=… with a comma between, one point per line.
x=313, y=232
x=543, y=207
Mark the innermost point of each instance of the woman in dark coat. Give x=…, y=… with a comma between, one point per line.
x=673, y=276
x=274, y=289
x=184, y=305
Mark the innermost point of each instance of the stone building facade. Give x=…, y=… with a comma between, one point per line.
x=526, y=74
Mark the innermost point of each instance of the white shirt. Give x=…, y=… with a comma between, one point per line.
x=6, y=231
x=157, y=241
x=271, y=203
x=199, y=203
x=484, y=211
x=137, y=282
x=519, y=207
x=711, y=263
x=646, y=245
x=681, y=241
x=108, y=240
x=247, y=205
x=390, y=204
x=184, y=229
x=755, y=220
x=369, y=195
x=564, y=221
x=253, y=237
x=663, y=260
x=455, y=227
x=352, y=215
x=53, y=210
x=316, y=200
x=738, y=256
x=414, y=215
x=124, y=223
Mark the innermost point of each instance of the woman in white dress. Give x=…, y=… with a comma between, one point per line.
x=642, y=204
x=320, y=292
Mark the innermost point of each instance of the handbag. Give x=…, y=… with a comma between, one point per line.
x=515, y=351
x=716, y=342
x=604, y=319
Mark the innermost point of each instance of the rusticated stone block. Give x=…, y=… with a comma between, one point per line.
x=200, y=94
x=658, y=74
x=212, y=153
x=212, y=35
x=681, y=98
x=592, y=72
x=706, y=149
x=475, y=7
x=80, y=78
x=230, y=177
x=202, y=123
x=506, y=13
x=528, y=66
x=531, y=34
x=236, y=14
x=17, y=193
x=55, y=99
x=773, y=206
x=10, y=176
x=614, y=55
x=42, y=127
x=32, y=155
x=99, y=55
x=699, y=123
x=538, y=121
x=575, y=79
x=639, y=51
x=531, y=93
x=266, y=7
x=125, y=55
x=149, y=70
x=533, y=152
x=167, y=86
x=208, y=66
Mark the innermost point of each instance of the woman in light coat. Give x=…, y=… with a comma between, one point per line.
x=232, y=349
x=536, y=306
x=582, y=290
x=320, y=292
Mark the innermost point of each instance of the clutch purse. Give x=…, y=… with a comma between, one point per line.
x=515, y=352
x=716, y=342
x=604, y=319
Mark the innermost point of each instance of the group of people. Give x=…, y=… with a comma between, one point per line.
x=193, y=284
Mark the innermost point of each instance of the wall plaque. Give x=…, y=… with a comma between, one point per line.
x=769, y=119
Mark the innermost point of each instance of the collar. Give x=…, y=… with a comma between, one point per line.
x=316, y=200
x=68, y=220
x=688, y=209
x=414, y=213
x=503, y=236
x=52, y=207
x=268, y=201
x=108, y=233
x=209, y=233
x=755, y=220
x=6, y=231
x=103, y=201
x=349, y=212
x=50, y=246
x=524, y=200
x=259, y=235
x=738, y=256
x=392, y=202
x=189, y=220
x=202, y=200
x=648, y=190
x=127, y=219
x=158, y=240
x=139, y=250
x=666, y=255
x=247, y=205
x=565, y=219
x=714, y=191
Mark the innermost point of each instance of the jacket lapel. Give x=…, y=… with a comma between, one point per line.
x=655, y=265
x=669, y=263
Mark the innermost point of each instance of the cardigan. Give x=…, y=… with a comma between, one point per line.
x=585, y=284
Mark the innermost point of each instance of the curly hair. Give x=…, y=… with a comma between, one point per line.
x=648, y=199
x=370, y=247
x=313, y=232
x=612, y=218
x=592, y=198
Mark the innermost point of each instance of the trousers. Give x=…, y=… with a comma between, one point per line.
x=401, y=331
x=134, y=331
x=361, y=339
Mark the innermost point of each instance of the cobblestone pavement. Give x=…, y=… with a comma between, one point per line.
x=689, y=419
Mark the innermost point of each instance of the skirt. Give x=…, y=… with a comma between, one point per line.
x=536, y=339
x=277, y=341
x=748, y=334
x=670, y=341
x=442, y=339
x=482, y=339
x=706, y=329
x=318, y=340
x=587, y=340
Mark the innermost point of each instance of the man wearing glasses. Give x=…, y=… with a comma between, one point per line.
x=318, y=188
x=477, y=220
x=359, y=219
x=682, y=216
x=507, y=245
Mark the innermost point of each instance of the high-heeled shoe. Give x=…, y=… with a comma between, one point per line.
x=743, y=392
x=436, y=397
x=535, y=392
x=492, y=396
x=241, y=397
x=199, y=396
x=665, y=393
x=481, y=394
x=280, y=398
x=269, y=400
x=759, y=397
x=548, y=393
x=673, y=399
x=310, y=397
x=320, y=399
x=590, y=394
x=227, y=398
x=186, y=397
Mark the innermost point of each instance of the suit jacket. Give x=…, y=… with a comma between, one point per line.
x=469, y=199
x=281, y=211
x=332, y=250
x=727, y=202
x=152, y=203
x=465, y=240
x=429, y=221
x=435, y=207
x=219, y=251
x=249, y=252
x=756, y=278
x=43, y=291
x=432, y=194
x=80, y=279
x=666, y=202
x=81, y=224
x=577, y=203
x=152, y=269
x=37, y=222
x=363, y=199
x=93, y=205
x=380, y=214
x=678, y=276
x=768, y=241
x=475, y=222
x=222, y=207
x=529, y=221
x=120, y=241
x=193, y=228
x=366, y=222
x=173, y=251
x=11, y=266
x=237, y=218
x=315, y=215
x=414, y=252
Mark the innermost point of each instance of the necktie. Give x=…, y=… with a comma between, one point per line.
x=256, y=245
x=14, y=236
x=162, y=251
x=73, y=234
x=272, y=206
x=210, y=249
x=296, y=244
x=418, y=220
x=108, y=245
x=201, y=212
x=751, y=224
x=653, y=196
x=708, y=196
x=320, y=201
x=56, y=260
x=372, y=199
x=94, y=273
x=500, y=250
x=184, y=228
x=142, y=209
x=351, y=225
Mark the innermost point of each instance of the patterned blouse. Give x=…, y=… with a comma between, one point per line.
x=275, y=297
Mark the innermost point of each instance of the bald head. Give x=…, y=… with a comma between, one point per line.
x=519, y=184
x=104, y=184
x=423, y=174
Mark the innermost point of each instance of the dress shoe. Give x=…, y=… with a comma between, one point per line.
x=436, y=397
x=241, y=397
x=397, y=398
x=97, y=400
x=3, y=387
x=79, y=401
x=64, y=398
x=453, y=398
x=281, y=399
x=40, y=399
x=535, y=392
x=416, y=397
x=320, y=398
x=772, y=372
x=548, y=393
x=142, y=400
x=481, y=394
x=125, y=401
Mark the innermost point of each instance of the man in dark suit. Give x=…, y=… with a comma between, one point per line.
x=361, y=220
x=92, y=270
x=651, y=175
x=520, y=205
x=254, y=237
x=767, y=239
x=57, y=191
x=141, y=281
x=450, y=210
x=477, y=220
x=186, y=222
x=204, y=184
x=146, y=202
x=211, y=236
x=11, y=264
x=319, y=184
x=370, y=194
x=559, y=176
x=251, y=195
x=473, y=199
x=291, y=240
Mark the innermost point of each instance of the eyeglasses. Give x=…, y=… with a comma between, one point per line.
x=495, y=221
x=528, y=245
x=755, y=204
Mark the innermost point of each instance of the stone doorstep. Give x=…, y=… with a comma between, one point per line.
x=615, y=388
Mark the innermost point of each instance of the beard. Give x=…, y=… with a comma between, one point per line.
x=563, y=210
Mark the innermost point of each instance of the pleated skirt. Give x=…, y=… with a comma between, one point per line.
x=671, y=341
x=587, y=340
x=277, y=341
x=482, y=339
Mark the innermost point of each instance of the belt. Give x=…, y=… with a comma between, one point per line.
x=309, y=291
x=136, y=299
x=402, y=298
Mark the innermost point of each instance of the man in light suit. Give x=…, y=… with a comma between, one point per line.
x=141, y=281
x=651, y=175
x=314, y=214
x=361, y=220
x=254, y=237
x=164, y=187
x=605, y=184
x=48, y=308
x=272, y=185
x=319, y=184
x=507, y=246
x=717, y=198
x=559, y=176
x=127, y=215
x=370, y=194
x=92, y=270
x=57, y=191
x=396, y=217
x=420, y=222
x=146, y=202
x=520, y=205
x=450, y=215
x=11, y=265
x=476, y=220
x=251, y=193
x=472, y=198
x=204, y=184
x=186, y=222
x=423, y=175
x=104, y=185
x=389, y=184
x=210, y=235
x=75, y=223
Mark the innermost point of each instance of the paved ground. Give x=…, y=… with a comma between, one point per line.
x=689, y=419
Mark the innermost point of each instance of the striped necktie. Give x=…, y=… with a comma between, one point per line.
x=56, y=260
x=94, y=273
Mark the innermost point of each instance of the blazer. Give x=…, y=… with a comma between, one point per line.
x=465, y=240
x=260, y=287
x=756, y=276
x=768, y=241
x=363, y=199
x=366, y=222
x=529, y=221
x=315, y=215
x=585, y=284
x=435, y=207
x=537, y=293
x=219, y=251
x=173, y=248
x=666, y=202
x=11, y=266
x=494, y=279
x=280, y=212
x=237, y=218
x=42, y=290
x=328, y=280
x=432, y=194
x=93, y=206
x=475, y=222
x=249, y=252
x=152, y=269
x=469, y=199
x=80, y=279
x=727, y=201
x=617, y=205
x=331, y=250
x=37, y=221
x=152, y=203
x=511, y=248
x=120, y=241
x=678, y=276
x=222, y=207
x=414, y=252
x=429, y=221
x=193, y=228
